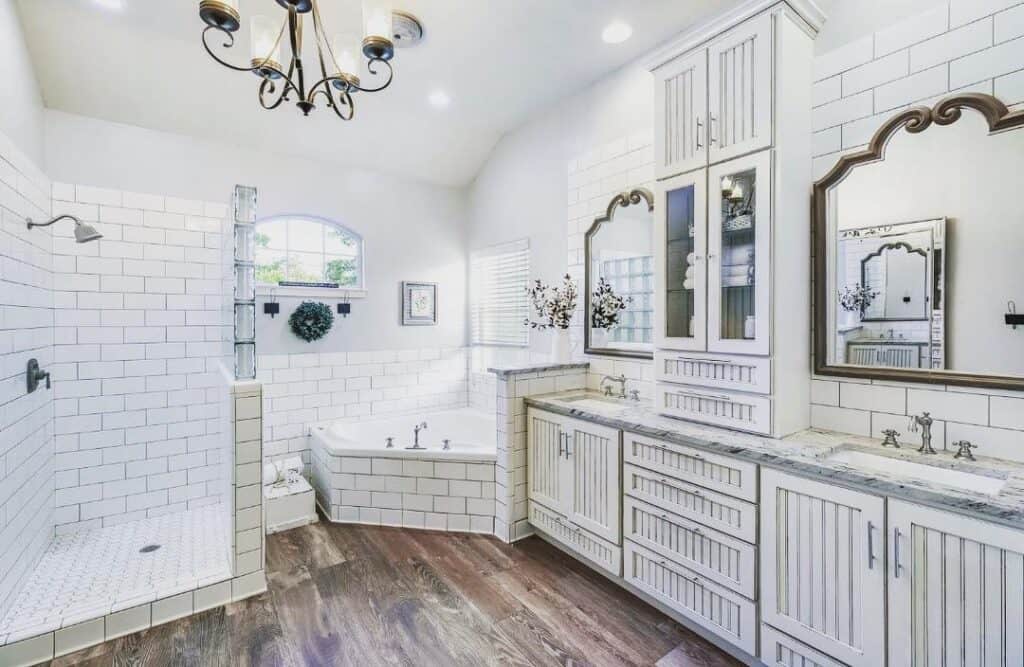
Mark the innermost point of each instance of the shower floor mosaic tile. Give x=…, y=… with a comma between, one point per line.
x=92, y=573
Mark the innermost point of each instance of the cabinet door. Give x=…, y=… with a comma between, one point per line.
x=740, y=90
x=956, y=590
x=823, y=567
x=681, y=105
x=592, y=491
x=545, y=449
x=680, y=269
x=739, y=255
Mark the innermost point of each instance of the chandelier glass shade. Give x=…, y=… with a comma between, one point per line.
x=339, y=58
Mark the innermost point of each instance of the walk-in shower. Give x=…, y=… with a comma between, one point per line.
x=83, y=232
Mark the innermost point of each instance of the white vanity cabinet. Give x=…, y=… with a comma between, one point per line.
x=574, y=485
x=956, y=589
x=823, y=567
x=731, y=212
x=715, y=102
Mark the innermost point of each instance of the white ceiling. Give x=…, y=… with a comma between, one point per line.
x=499, y=60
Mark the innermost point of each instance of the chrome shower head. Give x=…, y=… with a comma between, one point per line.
x=83, y=232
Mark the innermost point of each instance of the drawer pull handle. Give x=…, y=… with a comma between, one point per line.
x=711, y=397
x=705, y=361
x=681, y=490
x=698, y=531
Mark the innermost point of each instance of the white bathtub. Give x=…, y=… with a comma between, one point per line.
x=472, y=436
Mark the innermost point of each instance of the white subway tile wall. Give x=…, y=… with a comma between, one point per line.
x=139, y=330
x=594, y=179
x=302, y=389
x=975, y=45
x=26, y=332
x=965, y=44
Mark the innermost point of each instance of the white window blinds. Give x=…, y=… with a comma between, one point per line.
x=498, y=303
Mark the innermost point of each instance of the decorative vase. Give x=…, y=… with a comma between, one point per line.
x=561, y=346
x=598, y=338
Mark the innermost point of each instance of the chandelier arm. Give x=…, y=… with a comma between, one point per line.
x=268, y=87
x=227, y=45
x=371, y=70
x=344, y=100
x=321, y=41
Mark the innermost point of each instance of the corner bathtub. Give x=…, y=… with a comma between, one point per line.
x=359, y=480
x=472, y=436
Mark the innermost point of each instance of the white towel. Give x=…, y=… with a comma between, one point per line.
x=741, y=254
x=688, y=284
x=737, y=281
x=689, y=272
x=738, y=270
x=690, y=258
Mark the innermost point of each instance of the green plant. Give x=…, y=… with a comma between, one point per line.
x=311, y=321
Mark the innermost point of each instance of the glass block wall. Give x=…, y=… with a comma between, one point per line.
x=245, y=282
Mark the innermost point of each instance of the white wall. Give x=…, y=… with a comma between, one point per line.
x=411, y=231
x=976, y=45
x=21, y=110
x=521, y=190
x=26, y=332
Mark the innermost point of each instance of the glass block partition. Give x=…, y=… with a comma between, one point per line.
x=245, y=282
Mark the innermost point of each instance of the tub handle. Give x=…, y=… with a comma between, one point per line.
x=447, y=445
x=390, y=443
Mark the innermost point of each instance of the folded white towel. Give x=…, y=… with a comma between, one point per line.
x=689, y=272
x=737, y=281
x=742, y=254
x=688, y=284
x=738, y=270
x=690, y=258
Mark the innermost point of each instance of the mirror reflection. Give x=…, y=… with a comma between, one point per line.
x=925, y=253
x=620, y=278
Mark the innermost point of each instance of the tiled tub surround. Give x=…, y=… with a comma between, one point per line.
x=805, y=454
x=960, y=46
x=303, y=389
x=26, y=332
x=139, y=326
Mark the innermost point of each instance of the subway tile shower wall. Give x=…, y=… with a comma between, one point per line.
x=302, y=389
x=962, y=46
x=139, y=329
x=26, y=321
x=594, y=178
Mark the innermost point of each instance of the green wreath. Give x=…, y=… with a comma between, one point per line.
x=311, y=321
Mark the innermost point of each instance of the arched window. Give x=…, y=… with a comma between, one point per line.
x=308, y=249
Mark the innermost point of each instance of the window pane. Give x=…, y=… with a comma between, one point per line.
x=338, y=242
x=305, y=236
x=272, y=235
x=305, y=267
x=271, y=265
x=341, y=270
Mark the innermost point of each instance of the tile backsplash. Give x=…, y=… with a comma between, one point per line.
x=960, y=46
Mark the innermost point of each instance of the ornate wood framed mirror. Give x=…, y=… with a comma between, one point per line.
x=619, y=278
x=918, y=247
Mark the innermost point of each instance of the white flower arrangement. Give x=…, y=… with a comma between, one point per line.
x=553, y=306
x=606, y=306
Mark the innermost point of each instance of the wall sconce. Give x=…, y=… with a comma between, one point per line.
x=1013, y=318
x=271, y=307
x=345, y=308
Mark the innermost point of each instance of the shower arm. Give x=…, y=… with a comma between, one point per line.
x=57, y=219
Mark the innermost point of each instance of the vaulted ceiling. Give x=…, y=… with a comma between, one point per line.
x=499, y=60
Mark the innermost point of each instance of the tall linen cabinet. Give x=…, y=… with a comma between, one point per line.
x=732, y=269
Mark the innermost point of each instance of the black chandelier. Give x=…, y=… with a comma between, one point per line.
x=339, y=59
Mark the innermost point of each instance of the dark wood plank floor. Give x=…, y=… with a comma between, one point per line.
x=354, y=595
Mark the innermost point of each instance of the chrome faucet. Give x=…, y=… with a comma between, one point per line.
x=923, y=422
x=621, y=380
x=963, y=450
x=416, y=435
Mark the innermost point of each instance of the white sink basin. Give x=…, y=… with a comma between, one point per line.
x=958, y=479
x=594, y=403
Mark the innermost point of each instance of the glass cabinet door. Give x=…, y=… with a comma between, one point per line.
x=680, y=213
x=739, y=238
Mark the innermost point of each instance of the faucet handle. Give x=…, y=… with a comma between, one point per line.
x=963, y=450
x=635, y=394
x=891, y=436
x=390, y=443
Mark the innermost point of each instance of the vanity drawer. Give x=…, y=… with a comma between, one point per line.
x=778, y=648
x=718, y=473
x=719, y=371
x=711, y=554
x=717, y=609
x=602, y=553
x=743, y=412
x=716, y=510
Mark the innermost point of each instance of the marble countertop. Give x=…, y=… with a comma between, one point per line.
x=807, y=454
x=535, y=367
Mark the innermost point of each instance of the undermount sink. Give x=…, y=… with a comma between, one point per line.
x=958, y=479
x=593, y=402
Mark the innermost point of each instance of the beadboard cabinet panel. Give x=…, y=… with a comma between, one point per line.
x=681, y=98
x=546, y=448
x=780, y=650
x=742, y=412
x=594, y=549
x=718, y=473
x=714, y=555
x=592, y=495
x=823, y=567
x=730, y=372
x=956, y=590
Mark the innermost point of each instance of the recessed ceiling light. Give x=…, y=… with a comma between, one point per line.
x=617, y=32
x=439, y=99
x=110, y=4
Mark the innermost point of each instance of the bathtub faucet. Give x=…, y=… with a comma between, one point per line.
x=416, y=435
